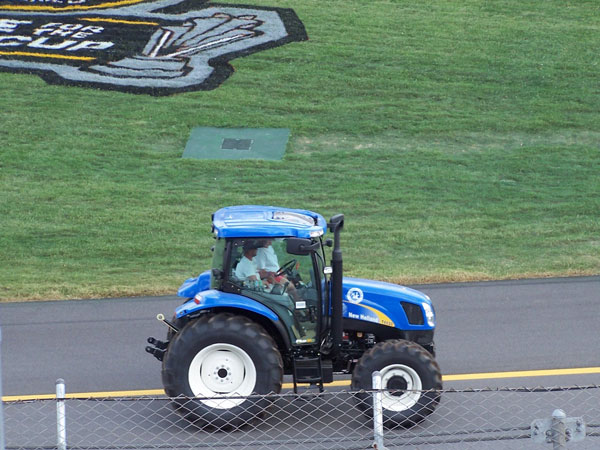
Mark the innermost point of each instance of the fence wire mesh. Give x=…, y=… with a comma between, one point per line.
x=464, y=419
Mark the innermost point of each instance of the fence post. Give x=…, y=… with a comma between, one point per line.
x=558, y=430
x=1, y=402
x=61, y=425
x=377, y=411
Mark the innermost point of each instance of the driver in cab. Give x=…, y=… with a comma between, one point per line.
x=268, y=267
x=246, y=269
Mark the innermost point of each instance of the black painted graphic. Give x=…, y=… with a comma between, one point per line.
x=157, y=48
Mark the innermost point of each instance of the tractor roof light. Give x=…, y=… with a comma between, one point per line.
x=292, y=217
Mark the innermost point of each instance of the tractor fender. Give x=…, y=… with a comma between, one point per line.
x=212, y=299
x=192, y=286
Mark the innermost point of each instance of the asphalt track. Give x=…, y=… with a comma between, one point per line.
x=498, y=334
x=504, y=333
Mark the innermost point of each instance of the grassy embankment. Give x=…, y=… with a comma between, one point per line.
x=461, y=140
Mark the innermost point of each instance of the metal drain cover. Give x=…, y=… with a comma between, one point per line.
x=236, y=144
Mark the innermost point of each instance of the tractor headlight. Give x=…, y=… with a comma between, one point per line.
x=429, y=314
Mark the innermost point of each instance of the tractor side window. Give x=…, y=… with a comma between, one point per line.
x=237, y=253
x=263, y=270
x=217, y=262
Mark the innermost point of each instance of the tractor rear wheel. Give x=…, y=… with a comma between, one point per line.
x=410, y=377
x=220, y=368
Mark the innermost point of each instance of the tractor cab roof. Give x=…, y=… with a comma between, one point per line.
x=267, y=221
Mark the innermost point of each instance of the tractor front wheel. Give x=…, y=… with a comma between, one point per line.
x=218, y=369
x=411, y=381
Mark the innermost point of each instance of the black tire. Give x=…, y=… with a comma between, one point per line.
x=409, y=373
x=222, y=360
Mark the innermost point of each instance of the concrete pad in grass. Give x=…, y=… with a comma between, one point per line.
x=237, y=143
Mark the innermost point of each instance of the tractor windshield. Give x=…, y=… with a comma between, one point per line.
x=263, y=270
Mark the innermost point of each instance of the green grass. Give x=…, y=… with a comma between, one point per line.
x=461, y=139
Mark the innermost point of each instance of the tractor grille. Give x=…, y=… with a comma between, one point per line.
x=413, y=313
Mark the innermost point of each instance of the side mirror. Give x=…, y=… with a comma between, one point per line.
x=299, y=246
x=336, y=222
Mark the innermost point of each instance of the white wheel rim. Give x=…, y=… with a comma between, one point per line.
x=221, y=371
x=401, y=401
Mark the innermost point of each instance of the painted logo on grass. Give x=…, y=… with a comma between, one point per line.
x=158, y=48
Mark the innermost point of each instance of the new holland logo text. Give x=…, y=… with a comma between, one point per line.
x=158, y=47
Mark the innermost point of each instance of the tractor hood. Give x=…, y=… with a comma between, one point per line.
x=387, y=304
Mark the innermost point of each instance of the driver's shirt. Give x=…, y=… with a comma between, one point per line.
x=267, y=259
x=246, y=268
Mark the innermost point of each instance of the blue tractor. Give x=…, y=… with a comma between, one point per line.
x=271, y=305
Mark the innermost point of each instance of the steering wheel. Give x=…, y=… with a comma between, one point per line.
x=286, y=268
x=279, y=289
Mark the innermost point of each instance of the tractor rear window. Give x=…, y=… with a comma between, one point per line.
x=217, y=262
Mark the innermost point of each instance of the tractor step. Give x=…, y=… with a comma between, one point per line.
x=312, y=370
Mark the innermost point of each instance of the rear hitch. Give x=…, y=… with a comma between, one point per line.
x=159, y=349
x=161, y=345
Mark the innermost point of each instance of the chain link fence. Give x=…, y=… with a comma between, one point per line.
x=464, y=419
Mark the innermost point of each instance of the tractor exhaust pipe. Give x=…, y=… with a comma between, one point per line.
x=336, y=224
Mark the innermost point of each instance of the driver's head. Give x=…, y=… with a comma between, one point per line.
x=250, y=249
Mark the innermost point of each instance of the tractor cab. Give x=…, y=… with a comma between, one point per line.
x=275, y=257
